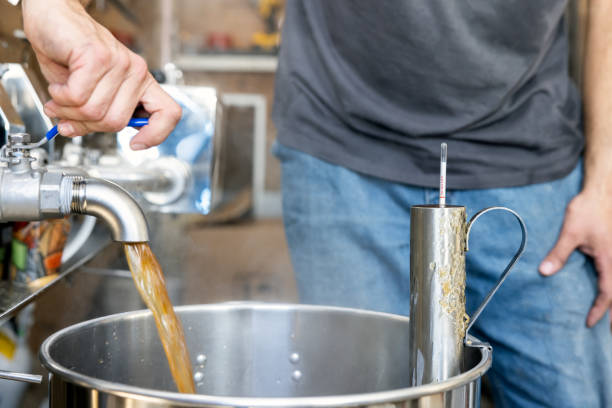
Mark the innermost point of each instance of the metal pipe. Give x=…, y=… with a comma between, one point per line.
x=111, y=203
x=29, y=378
x=133, y=178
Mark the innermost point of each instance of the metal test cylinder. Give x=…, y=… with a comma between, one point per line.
x=437, y=292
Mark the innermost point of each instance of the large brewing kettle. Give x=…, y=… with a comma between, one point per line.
x=252, y=355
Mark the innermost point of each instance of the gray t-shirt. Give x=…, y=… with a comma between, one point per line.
x=376, y=86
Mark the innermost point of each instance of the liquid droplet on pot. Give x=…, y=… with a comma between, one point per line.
x=294, y=358
x=201, y=359
x=198, y=376
x=297, y=375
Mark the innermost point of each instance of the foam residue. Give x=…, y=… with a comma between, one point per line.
x=451, y=271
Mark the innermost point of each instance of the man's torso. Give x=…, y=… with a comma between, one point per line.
x=376, y=86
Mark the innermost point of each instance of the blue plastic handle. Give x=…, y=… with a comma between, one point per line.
x=134, y=122
x=138, y=122
x=51, y=133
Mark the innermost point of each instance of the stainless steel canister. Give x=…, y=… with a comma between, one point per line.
x=437, y=291
x=438, y=321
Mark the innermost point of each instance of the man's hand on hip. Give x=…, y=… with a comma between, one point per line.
x=587, y=227
x=95, y=82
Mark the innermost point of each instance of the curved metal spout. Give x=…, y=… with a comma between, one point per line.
x=111, y=203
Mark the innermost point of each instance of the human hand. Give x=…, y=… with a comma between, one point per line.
x=586, y=227
x=95, y=82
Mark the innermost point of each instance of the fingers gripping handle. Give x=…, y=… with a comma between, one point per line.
x=504, y=274
x=134, y=122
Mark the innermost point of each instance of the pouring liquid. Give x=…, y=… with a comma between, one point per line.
x=150, y=282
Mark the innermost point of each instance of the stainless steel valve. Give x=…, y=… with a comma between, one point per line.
x=30, y=193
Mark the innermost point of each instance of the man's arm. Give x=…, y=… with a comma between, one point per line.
x=94, y=81
x=588, y=218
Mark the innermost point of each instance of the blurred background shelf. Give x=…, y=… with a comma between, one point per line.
x=227, y=63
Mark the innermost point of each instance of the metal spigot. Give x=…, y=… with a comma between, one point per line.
x=110, y=202
x=30, y=194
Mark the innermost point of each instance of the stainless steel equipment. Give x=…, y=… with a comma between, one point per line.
x=100, y=177
x=439, y=324
x=29, y=194
x=18, y=81
x=252, y=355
x=9, y=118
x=178, y=177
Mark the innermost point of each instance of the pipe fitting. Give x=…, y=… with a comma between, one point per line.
x=37, y=195
x=111, y=203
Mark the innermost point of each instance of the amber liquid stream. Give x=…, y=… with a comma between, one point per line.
x=151, y=284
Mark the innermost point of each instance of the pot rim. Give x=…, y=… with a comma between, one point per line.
x=151, y=395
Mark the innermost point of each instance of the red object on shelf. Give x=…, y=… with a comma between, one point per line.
x=219, y=41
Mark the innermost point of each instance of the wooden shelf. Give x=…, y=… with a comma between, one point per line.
x=227, y=63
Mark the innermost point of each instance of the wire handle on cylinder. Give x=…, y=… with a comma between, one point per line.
x=510, y=265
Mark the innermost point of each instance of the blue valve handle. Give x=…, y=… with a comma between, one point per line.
x=138, y=122
x=134, y=122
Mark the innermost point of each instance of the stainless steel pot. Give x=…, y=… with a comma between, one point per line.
x=252, y=355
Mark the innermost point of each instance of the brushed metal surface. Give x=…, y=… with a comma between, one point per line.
x=437, y=292
x=9, y=118
x=19, y=84
x=439, y=236
x=252, y=355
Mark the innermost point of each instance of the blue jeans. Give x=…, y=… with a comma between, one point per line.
x=348, y=235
